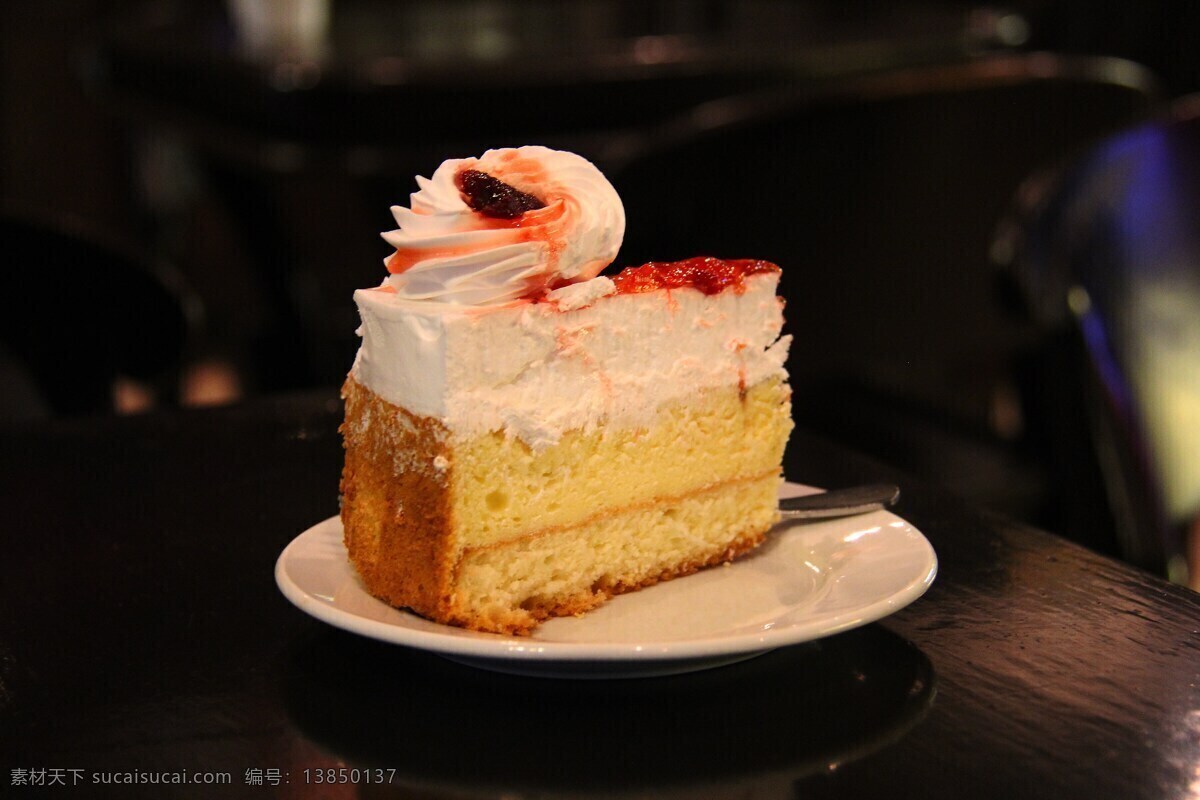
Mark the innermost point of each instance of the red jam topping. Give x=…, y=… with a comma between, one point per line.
x=709, y=275
x=493, y=197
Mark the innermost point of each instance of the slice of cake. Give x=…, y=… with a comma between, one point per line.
x=525, y=439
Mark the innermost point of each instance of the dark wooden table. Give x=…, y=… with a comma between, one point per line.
x=141, y=632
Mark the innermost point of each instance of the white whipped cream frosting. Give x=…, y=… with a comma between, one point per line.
x=584, y=358
x=449, y=253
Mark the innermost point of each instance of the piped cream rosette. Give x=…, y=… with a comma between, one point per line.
x=450, y=253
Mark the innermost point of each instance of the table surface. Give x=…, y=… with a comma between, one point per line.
x=141, y=632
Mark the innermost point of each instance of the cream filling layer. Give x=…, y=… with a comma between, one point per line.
x=537, y=370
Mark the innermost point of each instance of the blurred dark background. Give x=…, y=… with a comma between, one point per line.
x=192, y=191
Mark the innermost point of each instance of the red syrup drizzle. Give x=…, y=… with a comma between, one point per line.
x=709, y=275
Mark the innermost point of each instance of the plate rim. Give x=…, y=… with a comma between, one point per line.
x=501, y=647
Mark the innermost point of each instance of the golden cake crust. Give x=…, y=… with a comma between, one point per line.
x=395, y=511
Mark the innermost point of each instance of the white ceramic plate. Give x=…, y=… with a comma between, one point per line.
x=808, y=580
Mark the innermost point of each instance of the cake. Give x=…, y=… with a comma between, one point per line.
x=524, y=437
